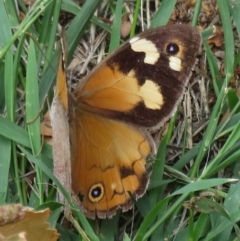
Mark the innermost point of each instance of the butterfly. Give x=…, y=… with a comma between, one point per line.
x=107, y=117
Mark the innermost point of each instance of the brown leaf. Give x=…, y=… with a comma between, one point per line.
x=10, y=213
x=29, y=2
x=217, y=38
x=34, y=224
x=209, y=7
x=188, y=3
x=125, y=26
x=17, y=237
x=46, y=127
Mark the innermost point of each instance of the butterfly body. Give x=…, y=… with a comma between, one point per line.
x=136, y=87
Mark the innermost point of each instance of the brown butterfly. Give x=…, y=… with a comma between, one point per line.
x=136, y=87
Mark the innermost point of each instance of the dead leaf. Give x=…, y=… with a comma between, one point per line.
x=209, y=7
x=217, y=39
x=33, y=226
x=17, y=237
x=29, y=2
x=10, y=213
x=46, y=127
x=125, y=26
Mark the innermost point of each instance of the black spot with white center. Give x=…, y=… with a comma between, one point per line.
x=172, y=48
x=96, y=192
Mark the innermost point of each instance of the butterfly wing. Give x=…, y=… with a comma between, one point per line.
x=60, y=131
x=144, y=79
x=108, y=161
x=137, y=86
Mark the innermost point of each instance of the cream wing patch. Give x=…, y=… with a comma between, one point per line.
x=125, y=92
x=151, y=95
x=146, y=46
x=175, y=63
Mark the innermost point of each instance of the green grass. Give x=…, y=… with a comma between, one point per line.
x=203, y=177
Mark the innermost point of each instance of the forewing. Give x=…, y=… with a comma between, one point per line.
x=144, y=79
